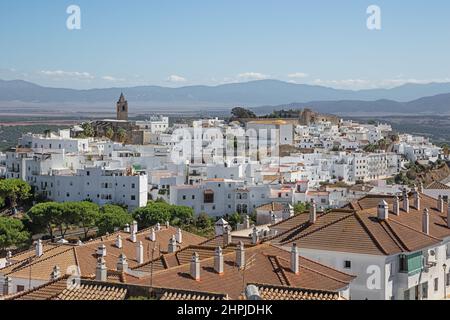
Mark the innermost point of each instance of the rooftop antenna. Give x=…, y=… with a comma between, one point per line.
x=247, y=266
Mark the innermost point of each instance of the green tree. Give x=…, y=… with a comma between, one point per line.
x=12, y=234
x=301, y=207
x=85, y=214
x=122, y=135
x=112, y=217
x=181, y=215
x=44, y=217
x=242, y=113
x=153, y=213
x=109, y=133
x=15, y=190
x=235, y=219
x=88, y=130
x=203, y=221
x=2, y=203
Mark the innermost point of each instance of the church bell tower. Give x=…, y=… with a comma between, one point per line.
x=122, y=108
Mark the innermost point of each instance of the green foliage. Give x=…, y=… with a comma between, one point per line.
x=88, y=130
x=301, y=207
x=15, y=190
x=45, y=217
x=12, y=233
x=2, y=203
x=235, y=219
x=112, y=217
x=109, y=133
x=240, y=113
x=122, y=135
x=85, y=214
x=153, y=213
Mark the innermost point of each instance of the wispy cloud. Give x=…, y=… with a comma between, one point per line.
x=252, y=76
x=298, y=75
x=112, y=79
x=60, y=74
x=176, y=79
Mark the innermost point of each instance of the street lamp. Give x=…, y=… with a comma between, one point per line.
x=445, y=280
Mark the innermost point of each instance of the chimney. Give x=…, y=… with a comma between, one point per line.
x=255, y=236
x=240, y=255
x=448, y=216
x=56, y=273
x=295, y=267
x=416, y=199
x=79, y=243
x=134, y=227
x=39, y=248
x=133, y=237
x=218, y=260
x=119, y=241
x=246, y=222
x=122, y=264
x=273, y=219
x=179, y=236
x=426, y=221
x=8, y=258
x=152, y=236
x=383, y=210
x=158, y=227
x=227, y=237
x=140, y=253
x=127, y=228
x=405, y=201
x=440, y=204
x=195, y=267
x=396, y=206
x=8, y=286
x=167, y=224
x=252, y=293
x=421, y=187
x=172, y=245
x=101, y=272
x=101, y=251
x=313, y=212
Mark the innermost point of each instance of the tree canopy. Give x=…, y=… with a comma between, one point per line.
x=15, y=190
x=240, y=113
x=12, y=233
x=112, y=217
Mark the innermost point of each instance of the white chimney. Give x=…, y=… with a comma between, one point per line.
x=133, y=237
x=101, y=272
x=56, y=273
x=426, y=221
x=295, y=267
x=134, y=227
x=246, y=222
x=172, y=245
x=383, y=210
x=158, y=227
x=167, y=224
x=218, y=260
x=227, y=237
x=255, y=236
x=179, y=236
x=122, y=264
x=8, y=286
x=405, y=201
x=240, y=255
x=440, y=204
x=127, y=228
x=421, y=187
x=416, y=199
x=313, y=212
x=152, y=236
x=195, y=267
x=140, y=253
x=101, y=251
x=119, y=241
x=79, y=243
x=9, y=258
x=39, y=248
x=396, y=206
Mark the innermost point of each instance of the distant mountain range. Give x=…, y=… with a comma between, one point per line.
x=413, y=98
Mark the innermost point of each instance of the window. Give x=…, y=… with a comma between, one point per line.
x=193, y=197
x=347, y=264
x=425, y=290
x=208, y=196
x=133, y=186
x=133, y=198
x=436, y=284
x=20, y=288
x=406, y=295
x=184, y=197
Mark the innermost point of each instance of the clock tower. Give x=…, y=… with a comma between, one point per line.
x=122, y=108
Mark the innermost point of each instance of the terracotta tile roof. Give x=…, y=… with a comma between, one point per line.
x=268, y=292
x=270, y=263
x=60, y=290
x=360, y=231
x=438, y=186
x=274, y=206
x=218, y=241
x=182, y=295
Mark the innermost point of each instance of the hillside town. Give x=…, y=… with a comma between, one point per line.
x=296, y=205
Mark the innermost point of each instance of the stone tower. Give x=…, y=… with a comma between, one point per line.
x=122, y=108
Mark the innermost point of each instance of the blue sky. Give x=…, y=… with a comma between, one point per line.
x=189, y=42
